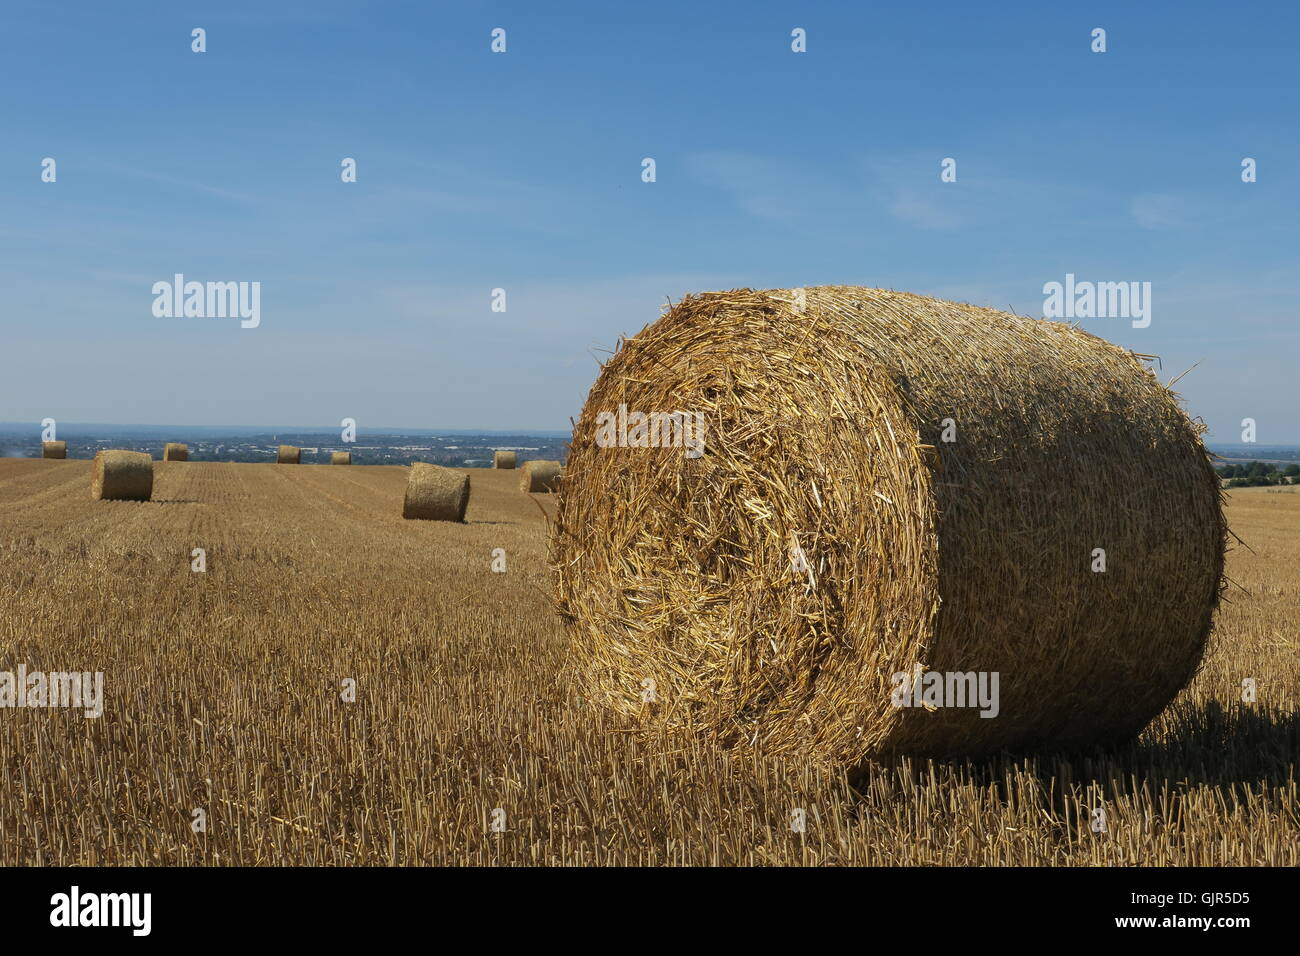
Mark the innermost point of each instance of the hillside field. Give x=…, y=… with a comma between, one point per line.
x=224, y=694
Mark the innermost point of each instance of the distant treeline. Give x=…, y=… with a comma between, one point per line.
x=1258, y=473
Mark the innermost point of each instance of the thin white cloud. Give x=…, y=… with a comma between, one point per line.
x=903, y=187
x=1161, y=211
x=149, y=175
x=762, y=187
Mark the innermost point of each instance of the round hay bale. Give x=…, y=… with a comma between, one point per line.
x=288, y=455
x=538, y=476
x=54, y=449
x=175, y=451
x=341, y=458
x=435, y=493
x=891, y=486
x=503, y=459
x=122, y=476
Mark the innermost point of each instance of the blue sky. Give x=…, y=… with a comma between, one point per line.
x=522, y=171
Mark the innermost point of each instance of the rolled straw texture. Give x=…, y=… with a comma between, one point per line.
x=829, y=538
x=540, y=476
x=122, y=476
x=435, y=493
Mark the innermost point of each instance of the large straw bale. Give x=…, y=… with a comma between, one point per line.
x=539, y=475
x=435, y=493
x=122, y=476
x=829, y=538
x=340, y=458
x=288, y=455
x=175, y=451
x=54, y=449
x=503, y=459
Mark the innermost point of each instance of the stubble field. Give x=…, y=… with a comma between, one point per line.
x=223, y=694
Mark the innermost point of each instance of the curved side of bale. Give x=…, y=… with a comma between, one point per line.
x=503, y=459
x=889, y=484
x=540, y=476
x=54, y=449
x=288, y=455
x=341, y=458
x=435, y=493
x=122, y=476
x=175, y=451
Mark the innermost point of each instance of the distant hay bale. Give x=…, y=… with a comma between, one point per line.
x=435, y=493
x=122, y=476
x=175, y=451
x=890, y=485
x=538, y=476
x=341, y=458
x=54, y=449
x=503, y=459
x=288, y=455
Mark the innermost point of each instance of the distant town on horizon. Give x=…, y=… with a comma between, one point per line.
x=449, y=447
x=452, y=447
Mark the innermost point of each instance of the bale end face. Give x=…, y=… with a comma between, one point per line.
x=540, y=476
x=288, y=455
x=54, y=449
x=341, y=458
x=122, y=476
x=503, y=459
x=175, y=451
x=434, y=493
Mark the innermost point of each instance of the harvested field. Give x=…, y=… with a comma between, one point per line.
x=225, y=696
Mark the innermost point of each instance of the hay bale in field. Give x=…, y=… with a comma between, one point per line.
x=288, y=455
x=503, y=459
x=341, y=458
x=54, y=449
x=122, y=476
x=890, y=485
x=175, y=451
x=436, y=493
x=539, y=476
